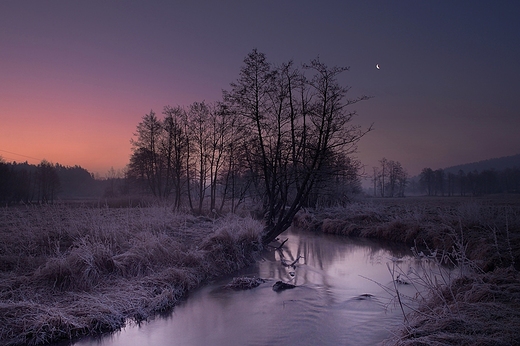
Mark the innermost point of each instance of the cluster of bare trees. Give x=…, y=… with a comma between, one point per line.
x=190, y=155
x=389, y=179
x=281, y=135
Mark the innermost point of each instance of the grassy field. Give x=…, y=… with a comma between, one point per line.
x=69, y=271
x=478, y=236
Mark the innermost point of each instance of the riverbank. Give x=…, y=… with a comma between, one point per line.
x=72, y=271
x=482, y=306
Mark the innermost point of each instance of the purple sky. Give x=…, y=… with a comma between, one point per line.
x=76, y=77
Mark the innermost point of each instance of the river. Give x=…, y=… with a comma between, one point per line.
x=338, y=300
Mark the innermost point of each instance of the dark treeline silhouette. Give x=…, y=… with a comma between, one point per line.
x=45, y=182
x=474, y=183
x=281, y=136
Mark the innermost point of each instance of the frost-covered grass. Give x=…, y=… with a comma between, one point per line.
x=71, y=271
x=478, y=309
x=490, y=230
x=479, y=238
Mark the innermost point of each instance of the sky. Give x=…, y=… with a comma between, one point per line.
x=76, y=77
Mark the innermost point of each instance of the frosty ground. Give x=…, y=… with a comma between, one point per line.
x=70, y=271
x=478, y=236
x=67, y=271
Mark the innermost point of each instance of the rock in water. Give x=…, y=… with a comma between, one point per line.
x=280, y=286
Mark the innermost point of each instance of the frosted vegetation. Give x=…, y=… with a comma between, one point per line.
x=70, y=271
x=479, y=304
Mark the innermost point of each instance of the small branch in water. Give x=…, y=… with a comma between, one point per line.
x=280, y=246
x=282, y=256
x=284, y=262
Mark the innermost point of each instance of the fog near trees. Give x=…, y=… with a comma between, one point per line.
x=389, y=179
x=474, y=183
x=46, y=183
x=492, y=176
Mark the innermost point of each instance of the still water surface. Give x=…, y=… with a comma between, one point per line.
x=329, y=306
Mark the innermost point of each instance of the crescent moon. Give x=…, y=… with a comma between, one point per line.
x=377, y=66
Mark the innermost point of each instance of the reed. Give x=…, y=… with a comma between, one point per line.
x=474, y=309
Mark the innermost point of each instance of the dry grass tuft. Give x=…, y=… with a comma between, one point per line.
x=481, y=310
x=81, y=268
x=232, y=245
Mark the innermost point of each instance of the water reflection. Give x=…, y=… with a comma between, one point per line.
x=333, y=304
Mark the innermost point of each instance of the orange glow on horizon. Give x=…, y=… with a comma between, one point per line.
x=94, y=140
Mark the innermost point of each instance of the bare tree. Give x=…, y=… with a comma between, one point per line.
x=391, y=178
x=146, y=161
x=175, y=149
x=296, y=124
x=200, y=154
x=375, y=179
x=338, y=182
x=398, y=179
x=221, y=122
x=233, y=179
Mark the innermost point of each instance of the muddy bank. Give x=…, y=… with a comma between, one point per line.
x=67, y=272
x=482, y=307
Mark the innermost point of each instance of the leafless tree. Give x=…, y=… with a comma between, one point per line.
x=391, y=178
x=200, y=156
x=296, y=123
x=175, y=149
x=146, y=162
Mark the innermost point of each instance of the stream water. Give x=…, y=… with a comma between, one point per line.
x=339, y=300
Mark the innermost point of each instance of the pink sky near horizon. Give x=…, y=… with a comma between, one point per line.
x=76, y=78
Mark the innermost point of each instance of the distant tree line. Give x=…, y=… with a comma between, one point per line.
x=389, y=179
x=280, y=136
x=489, y=181
x=44, y=183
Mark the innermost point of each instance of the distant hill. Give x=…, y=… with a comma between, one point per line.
x=498, y=164
x=506, y=179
